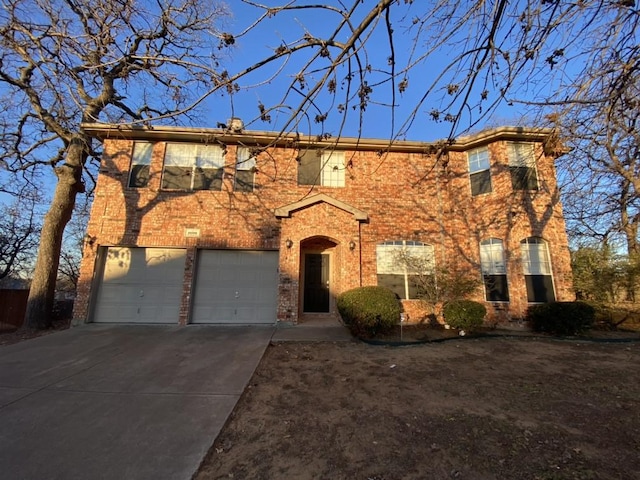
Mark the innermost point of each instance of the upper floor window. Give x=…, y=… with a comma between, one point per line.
x=494, y=272
x=245, y=170
x=522, y=165
x=400, y=263
x=324, y=168
x=479, y=173
x=536, y=267
x=190, y=166
x=140, y=163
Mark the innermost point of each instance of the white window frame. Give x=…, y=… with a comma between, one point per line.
x=245, y=162
x=492, y=264
x=492, y=257
x=523, y=155
x=388, y=253
x=479, y=162
x=535, y=256
x=193, y=155
x=324, y=168
x=332, y=169
x=536, y=262
x=140, y=155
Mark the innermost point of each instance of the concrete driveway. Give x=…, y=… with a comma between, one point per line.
x=121, y=402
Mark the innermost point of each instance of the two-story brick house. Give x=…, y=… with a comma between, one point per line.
x=231, y=226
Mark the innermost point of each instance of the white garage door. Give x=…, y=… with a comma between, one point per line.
x=140, y=285
x=236, y=286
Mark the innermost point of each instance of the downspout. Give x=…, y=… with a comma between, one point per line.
x=360, y=251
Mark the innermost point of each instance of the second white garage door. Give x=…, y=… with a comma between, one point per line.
x=236, y=286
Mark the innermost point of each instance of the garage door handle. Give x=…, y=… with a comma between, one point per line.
x=141, y=293
x=237, y=294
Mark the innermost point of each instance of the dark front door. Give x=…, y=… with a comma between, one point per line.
x=316, y=282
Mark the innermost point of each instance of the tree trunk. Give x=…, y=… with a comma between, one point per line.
x=43, y=284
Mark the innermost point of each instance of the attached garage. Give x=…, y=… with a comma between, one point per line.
x=139, y=285
x=235, y=287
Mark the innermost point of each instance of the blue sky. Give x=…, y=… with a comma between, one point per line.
x=288, y=26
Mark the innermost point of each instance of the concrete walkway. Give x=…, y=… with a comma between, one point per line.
x=330, y=332
x=121, y=402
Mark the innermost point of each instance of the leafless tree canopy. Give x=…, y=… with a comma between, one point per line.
x=18, y=235
x=430, y=61
x=68, y=61
x=602, y=173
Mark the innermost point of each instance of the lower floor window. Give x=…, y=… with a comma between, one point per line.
x=403, y=285
x=496, y=288
x=494, y=272
x=536, y=267
x=402, y=266
x=539, y=289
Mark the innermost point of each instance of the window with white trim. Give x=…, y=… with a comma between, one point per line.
x=399, y=262
x=140, y=164
x=324, y=168
x=522, y=166
x=245, y=170
x=479, y=172
x=190, y=166
x=494, y=272
x=536, y=267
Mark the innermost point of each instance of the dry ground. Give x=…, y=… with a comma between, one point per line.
x=489, y=408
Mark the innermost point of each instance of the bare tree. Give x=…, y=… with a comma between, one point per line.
x=421, y=62
x=65, y=62
x=602, y=172
x=18, y=235
x=72, y=245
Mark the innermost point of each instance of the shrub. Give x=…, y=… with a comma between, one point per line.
x=563, y=318
x=464, y=314
x=368, y=311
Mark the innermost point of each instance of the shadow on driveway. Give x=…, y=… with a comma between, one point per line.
x=121, y=402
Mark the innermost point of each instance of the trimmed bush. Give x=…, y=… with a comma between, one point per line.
x=368, y=311
x=464, y=314
x=562, y=318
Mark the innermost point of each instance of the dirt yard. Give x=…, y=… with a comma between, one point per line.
x=489, y=408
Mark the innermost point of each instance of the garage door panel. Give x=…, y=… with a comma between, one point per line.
x=118, y=314
x=140, y=285
x=235, y=287
x=158, y=314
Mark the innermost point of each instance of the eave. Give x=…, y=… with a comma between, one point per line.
x=259, y=138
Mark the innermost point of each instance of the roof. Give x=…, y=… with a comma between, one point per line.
x=105, y=131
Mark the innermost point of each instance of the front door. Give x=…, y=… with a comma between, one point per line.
x=316, y=283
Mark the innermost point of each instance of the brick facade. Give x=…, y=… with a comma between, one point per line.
x=410, y=191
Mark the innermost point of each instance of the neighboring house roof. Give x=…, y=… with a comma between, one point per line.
x=266, y=138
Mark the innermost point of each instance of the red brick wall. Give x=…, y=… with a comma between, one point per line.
x=406, y=196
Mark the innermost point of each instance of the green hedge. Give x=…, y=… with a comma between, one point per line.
x=464, y=314
x=562, y=318
x=368, y=311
